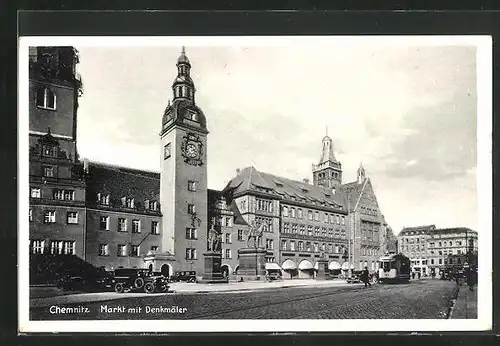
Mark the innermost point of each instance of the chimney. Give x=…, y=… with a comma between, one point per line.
x=86, y=165
x=238, y=171
x=305, y=180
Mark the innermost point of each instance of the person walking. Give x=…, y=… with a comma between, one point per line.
x=413, y=275
x=419, y=275
x=470, y=279
x=365, y=277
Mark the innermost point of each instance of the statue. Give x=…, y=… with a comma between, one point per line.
x=214, y=239
x=322, y=255
x=255, y=234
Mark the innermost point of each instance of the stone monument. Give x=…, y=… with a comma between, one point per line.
x=323, y=273
x=252, y=259
x=213, y=257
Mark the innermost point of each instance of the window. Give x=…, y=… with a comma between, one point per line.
x=136, y=226
x=283, y=245
x=191, y=209
x=301, y=245
x=310, y=230
x=135, y=251
x=104, y=223
x=302, y=229
x=240, y=234
x=342, y=221
x=48, y=171
x=103, y=250
x=294, y=228
x=167, y=151
x=50, y=217
x=338, y=220
x=316, y=249
x=122, y=224
x=155, y=229
x=229, y=221
x=31, y=215
x=45, y=98
x=151, y=205
x=192, y=185
x=439, y=244
x=228, y=238
x=69, y=195
x=59, y=194
x=35, y=192
x=286, y=227
x=72, y=217
x=299, y=213
x=323, y=247
x=326, y=218
x=228, y=253
x=440, y=261
x=128, y=202
x=49, y=150
x=190, y=253
x=285, y=211
x=316, y=231
x=121, y=250
x=310, y=215
x=103, y=198
x=37, y=246
x=191, y=233
x=269, y=244
x=292, y=212
x=308, y=246
x=292, y=245
x=58, y=247
x=316, y=216
x=154, y=248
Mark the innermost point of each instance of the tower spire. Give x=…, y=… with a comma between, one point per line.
x=183, y=85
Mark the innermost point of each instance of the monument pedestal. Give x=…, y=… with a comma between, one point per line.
x=213, y=272
x=323, y=272
x=252, y=264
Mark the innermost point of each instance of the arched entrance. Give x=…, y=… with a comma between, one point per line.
x=166, y=270
x=226, y=270
x=335, y=268
x=306, y=270
x=289, y=269
x=150, y=267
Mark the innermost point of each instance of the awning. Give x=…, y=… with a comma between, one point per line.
x=305, y=264
x=272, y=266
x=334, y=265
x=345, y=266
x=289, y=265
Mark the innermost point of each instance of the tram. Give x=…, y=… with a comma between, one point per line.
x=394, y=268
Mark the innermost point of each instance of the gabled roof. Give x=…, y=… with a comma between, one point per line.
x=122, y=182
x=250, y=179
x=353, y=192
x=425, y=229
x=213, y=198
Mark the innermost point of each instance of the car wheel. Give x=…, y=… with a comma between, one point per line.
x=119, y=288
x=149, y=287
x=164, y=288
x=139, y=283
x=192, y=280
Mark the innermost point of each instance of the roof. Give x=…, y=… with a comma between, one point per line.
x=352, y=192
x=425, y=229
x=121, y=182
x=453, y=230
x=179, y=111
x=250, y=179
x=327, y=153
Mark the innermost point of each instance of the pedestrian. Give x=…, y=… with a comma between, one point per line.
x=365, y=277
x=413, y=275
x=457, y=278
x=419, y=275
x=470, y=279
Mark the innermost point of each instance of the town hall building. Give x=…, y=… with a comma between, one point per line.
x=114, y=217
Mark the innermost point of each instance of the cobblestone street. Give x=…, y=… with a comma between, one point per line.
x=424, y=299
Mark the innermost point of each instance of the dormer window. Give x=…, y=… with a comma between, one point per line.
x=49, y=150
x=128, y=202
x=151, y=205
x=103, y=198
x=46, y=99
x=193, y=116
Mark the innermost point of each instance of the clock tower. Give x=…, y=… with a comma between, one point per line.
x=328, y=172
x=183, y=177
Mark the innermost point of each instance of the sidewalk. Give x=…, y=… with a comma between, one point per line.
x=179, y=288
x=466, y=304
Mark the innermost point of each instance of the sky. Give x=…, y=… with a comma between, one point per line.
x=407, y=112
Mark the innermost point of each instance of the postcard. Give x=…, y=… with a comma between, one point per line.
x=333, y=183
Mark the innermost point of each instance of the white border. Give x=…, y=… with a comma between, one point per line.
x=484, y=190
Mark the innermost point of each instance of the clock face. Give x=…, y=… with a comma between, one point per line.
x=192, y=150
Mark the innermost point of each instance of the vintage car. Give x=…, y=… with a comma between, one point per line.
x=86, y=283
x=127, y=279
x=355, y=277
x=187, y=276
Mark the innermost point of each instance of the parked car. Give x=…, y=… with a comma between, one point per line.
x=86, y=283
x=355, y=277
x=187, y=276
x=128, y=279
x=273, y=275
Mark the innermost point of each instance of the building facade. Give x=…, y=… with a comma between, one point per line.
x=115, y=217
x=429, y=247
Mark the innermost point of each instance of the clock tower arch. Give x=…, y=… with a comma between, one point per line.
x=183, y=174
